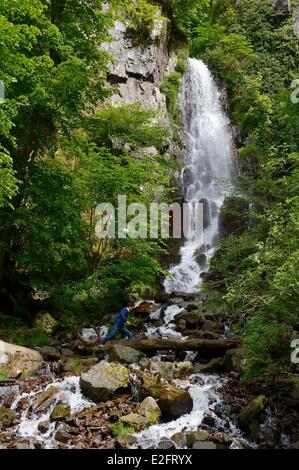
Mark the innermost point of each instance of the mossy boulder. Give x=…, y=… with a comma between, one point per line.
x=105, y=381
x=121, y=353
x=249, y=418
x=150, y=409
x=173, y=402
x=7, y=418
x=19, y=362
x=135, y=420
x=60, y=412
x=45, y=322
x=235, y=360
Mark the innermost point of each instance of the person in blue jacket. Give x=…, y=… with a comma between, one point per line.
x=119, y=323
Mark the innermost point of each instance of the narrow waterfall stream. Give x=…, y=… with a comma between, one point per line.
x=205, y=179
x=208, y=168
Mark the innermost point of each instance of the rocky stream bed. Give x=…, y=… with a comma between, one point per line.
x=83, y=395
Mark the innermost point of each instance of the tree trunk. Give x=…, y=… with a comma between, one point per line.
x=207, y=345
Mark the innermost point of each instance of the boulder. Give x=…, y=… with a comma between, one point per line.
x=150, y=409
x=44, y=321
x=197, y=436
x=62, y=436
x=182, y=325
x=60, y=412
x=125, y=441
x=18, y=361
x=215, y=365
x=136, y=421
x=172, y=401
x=143, y=308
x=193, y=319
x=172, y=370
x=43, y=427
x=166, y=444
x=209, y=325
x=249, y=417
x=121, y=353
x=88, y=336
x=50, y=353
x=209, y=445
x=105, y=381
x=235, y=360
x=180, y=440
x=7, y=418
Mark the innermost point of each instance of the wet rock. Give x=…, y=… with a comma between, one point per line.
x=7, y=418
x=43, y=427
x=50, y=353
x=176, y=300
x=88, y=336
x=234, y=375
x=215, y=365
x=145, y=363
x=20, y=362
x=60, y=412
x=105, y=381
x=22, y=444
x=235, y=359
x=121, y=353
x=166, y=444
x=150, y=409
x=136, y=420
x=209, y=325
x=209, y=445
x=188, y=306
x=169, y=370
x=172, y=401
x=197, y=436
x=62, y=436
x=182, y=325
x=193, y=319
x=125, y=441
x=180, y=440
x=143, y=308
x=67, y=352
x=209, y=420
x=250, y=416
x=44, y=321
x=44, y=399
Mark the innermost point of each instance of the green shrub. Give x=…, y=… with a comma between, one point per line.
x=120, y=429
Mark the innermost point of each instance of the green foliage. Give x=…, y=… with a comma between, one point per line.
x=170, y=86
x=114, y=127
x=3, y=375
x=8, y=181
x=121, y=429
x=257, y=272
x=143, y=17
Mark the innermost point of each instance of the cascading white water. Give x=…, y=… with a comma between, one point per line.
x=208, y=168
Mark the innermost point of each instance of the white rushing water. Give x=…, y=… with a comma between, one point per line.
x=203, y=390
x=207, y=171
x=68, y=392
x=168, y=329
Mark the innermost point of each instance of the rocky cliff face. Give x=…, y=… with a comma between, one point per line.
x=138, y=69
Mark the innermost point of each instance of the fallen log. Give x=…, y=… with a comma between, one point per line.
x=219, y=345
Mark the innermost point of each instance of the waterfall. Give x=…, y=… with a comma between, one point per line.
x=207, y=171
